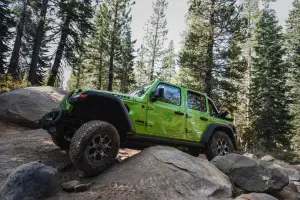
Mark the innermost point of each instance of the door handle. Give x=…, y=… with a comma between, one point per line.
x=179, y=113
x=203, y=118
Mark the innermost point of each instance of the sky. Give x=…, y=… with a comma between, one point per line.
x=175, y=14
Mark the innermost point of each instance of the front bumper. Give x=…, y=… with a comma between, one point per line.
x=51, y=119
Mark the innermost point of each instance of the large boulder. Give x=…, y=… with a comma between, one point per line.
x=162, y=173
x=32, y=181
x=290, y=192
x=292, y=171
x=268, y=158
x=250, y=155
x=252, y=175
x=255, y=196
x=26, y=106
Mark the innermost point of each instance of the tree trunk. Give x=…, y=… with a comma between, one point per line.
x=99, y=85
x=112, y=51
x=59, y=52
x=210, y=53
x=78, y=77
x=124, y=82
x=2, y=69
x=249, y=71
x=14, y=60
x=37, y=44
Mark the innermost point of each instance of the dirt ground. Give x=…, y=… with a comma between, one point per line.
x=19, y=145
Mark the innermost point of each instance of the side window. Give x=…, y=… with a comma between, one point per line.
x=212, y=109
x=196, y=102
x=171, y=94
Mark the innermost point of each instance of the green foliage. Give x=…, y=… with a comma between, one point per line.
x=269, y=109
x=93, y=68
x=141, y=69
x=75, y=18
x=293, y=47
x=169, y=63
x=8, y=83
x=6, y=22
x=210, y=26
x=154, y=41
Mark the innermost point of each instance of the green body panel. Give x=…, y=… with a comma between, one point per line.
x=158, y=119
x=162, y=120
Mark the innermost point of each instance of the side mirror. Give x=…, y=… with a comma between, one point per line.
x=223, y=113
x=158, y=93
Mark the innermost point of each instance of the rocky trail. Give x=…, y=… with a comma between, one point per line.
x=19, y=145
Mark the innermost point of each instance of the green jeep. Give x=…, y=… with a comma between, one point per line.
x=93, y=124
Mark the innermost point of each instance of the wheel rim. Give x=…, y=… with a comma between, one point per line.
x=222, y=147
x=99, y=148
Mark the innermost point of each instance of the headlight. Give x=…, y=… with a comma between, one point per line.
x=80, y=96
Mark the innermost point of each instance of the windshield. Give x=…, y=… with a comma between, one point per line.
x=140, y=91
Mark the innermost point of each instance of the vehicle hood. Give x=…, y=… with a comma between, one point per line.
x=123, y=97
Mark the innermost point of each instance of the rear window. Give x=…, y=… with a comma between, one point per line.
x=196, y=102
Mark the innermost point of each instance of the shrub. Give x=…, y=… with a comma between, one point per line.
x=8, y=83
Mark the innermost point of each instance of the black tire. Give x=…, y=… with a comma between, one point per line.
x=217, y=147
x=86, y=155
x=60, y=141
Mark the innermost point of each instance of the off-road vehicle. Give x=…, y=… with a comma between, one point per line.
x=92, y=125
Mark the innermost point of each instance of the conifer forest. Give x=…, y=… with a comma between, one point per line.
x=233, y=50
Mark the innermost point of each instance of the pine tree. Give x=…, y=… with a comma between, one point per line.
x=98, y=54
x=169, y=63
x=269, y=108
x=155, y=37
x=141, y=69
x=75, y=26
x=14, y=60
x=77, y=78
x=40, y=32
x=125, y=70
x=293, y=44
x=210, y=25
x=6, y=22
x=120, y=13
x=231, y=86
x=98, y=49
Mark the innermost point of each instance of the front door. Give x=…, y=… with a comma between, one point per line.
x=197, y=116
x=166, y=117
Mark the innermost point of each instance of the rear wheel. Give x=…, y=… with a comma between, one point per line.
x=219, y=145
x=60, y=141
x=94, y=147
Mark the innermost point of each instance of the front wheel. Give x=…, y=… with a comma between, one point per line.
x=219, y=145
x=94, y=147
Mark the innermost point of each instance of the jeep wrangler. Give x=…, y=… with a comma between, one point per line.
x=92, y=125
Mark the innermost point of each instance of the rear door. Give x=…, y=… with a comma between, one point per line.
x=197, y=116
x=166, y=117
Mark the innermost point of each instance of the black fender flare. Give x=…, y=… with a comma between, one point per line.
x=103, y=106
x=229, y=130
